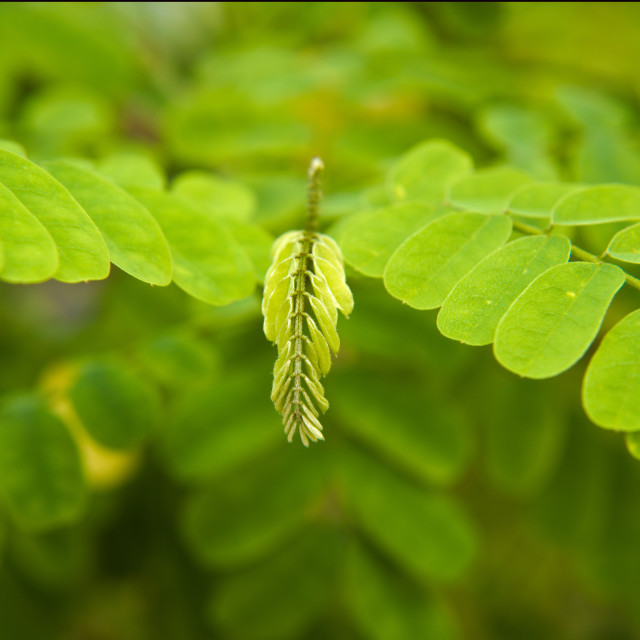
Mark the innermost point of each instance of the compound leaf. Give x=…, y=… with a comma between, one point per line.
x=602, y=203
x=537, y=199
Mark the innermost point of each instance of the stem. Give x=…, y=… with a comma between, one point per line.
x=576, y=252
x=315, y=194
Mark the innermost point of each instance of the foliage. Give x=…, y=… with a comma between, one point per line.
x=151, y=153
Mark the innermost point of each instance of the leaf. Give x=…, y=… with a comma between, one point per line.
x=117, y=408
x=476, y=304
x=279, y=597
x=133, y=170
x=625, y=245
x=254, y=241
x=13, y=147
x=399, y=419
x=425, y=532
x=611, y=388
x=82, y=252
x=538, y=199
x=369, y=239
x=207, y=264
x=602, y=203
x=424, y=172
x=551, y=324
x=425, y=268
x=633, y=444
x=27, y=251
x=225, y=525
x=40, y=473
x=384, y=604
x=134, y=238
x=487, y=190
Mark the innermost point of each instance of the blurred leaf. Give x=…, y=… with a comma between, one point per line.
x=538, y=199
x=402, y=422
x=207, y=264
x=593, y=205
x=625, y=245
x=476, y=304
x=611, y=390
x=386, y=605
x=279, y=597
x=133, y=170
x=255, y=242
x=82, y=252
x=13, y=147
x=633, y=444
x=40, y=473
x=118, y=408
x=551, y=324
x=425, y=268
x=239, y=519
x=425, y=171
x=426, y=533
x=133, y=236
x=369, y=239
x=487, y=190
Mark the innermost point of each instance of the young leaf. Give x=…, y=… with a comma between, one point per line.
x=602, y=203
x=41, y=477
x=476, y=304
x=82, y=253
x=425, y=268
x=134, y=238
x=611, y=389
x=551, y=324
x=425, y=171
x=487, y=190
x=537, y=199
x=625, y=245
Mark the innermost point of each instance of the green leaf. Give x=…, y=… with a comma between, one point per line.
x=633, y=444
x=402, y=422
x=487, y=190
x=425, y=268
x=625, y=245
x=13, y=147
x=27, y=251
x=426, y=170
x=254, y=241
x=207, y=262
x=82, y=252
x=279, y=597
x=384, y=604
x=538, y=199
x=594, y=205
x=225, y=525
x=118, y=408
x=476, y=304
x=611, y=389
x=215, y=196
x=425, y=532
x=130, y=170
x=133, y=236
x=369, y=239
x=551, y=324
x=41, y=478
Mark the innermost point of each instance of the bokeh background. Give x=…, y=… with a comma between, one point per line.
x=451, y=500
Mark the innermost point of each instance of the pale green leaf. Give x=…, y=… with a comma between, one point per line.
x=41, y=477
x=633, y=444
x=625, y=245
x=82, y=253
x=537, y=199
x=133, y=170
x=215, y=196
x=254, y=241
x=207, y=263
x=117, y=407
x=26, y=248
x=134, y=238
x=424, y=532
x=487, y=190
x=13, y=147
x=611, y=389
x=369, y=239
x=385, y=604
x=426, y=170
x=476, y=304
x=425, y=268
x=602, y=203
x=551, y=324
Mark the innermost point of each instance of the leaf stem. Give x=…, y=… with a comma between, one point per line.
x=315, y=194
x=577, y=252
